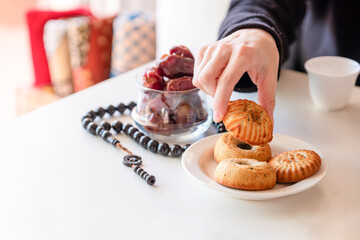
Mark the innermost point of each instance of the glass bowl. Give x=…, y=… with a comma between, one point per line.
x=171, y=115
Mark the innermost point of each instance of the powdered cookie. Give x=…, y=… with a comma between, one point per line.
x=248, y=122
x=296, y=165
x=247, y=174
x=227, y=146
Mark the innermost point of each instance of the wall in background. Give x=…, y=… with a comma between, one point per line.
x=193, y=23
x=12, y=11
x=99, y=8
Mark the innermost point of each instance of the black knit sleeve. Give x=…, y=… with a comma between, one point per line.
x=280, y=18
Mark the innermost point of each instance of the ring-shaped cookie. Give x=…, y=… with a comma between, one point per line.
x=246, y=174
x=227, y=146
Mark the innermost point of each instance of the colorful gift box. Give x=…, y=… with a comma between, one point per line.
x=90, y=43
x=57, y=52
x=134, y=41
x=36, y=21
x=72, y=50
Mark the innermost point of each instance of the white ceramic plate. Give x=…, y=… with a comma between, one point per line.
x=198, y=161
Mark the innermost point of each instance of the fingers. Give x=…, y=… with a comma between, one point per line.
x=202, y=58
x=219, y=66
x=213, y=69
x=199, y=57
x=266, y=93
x=234, y=70
x=208, y=71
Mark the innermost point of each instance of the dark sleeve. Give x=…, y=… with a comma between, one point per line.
x=280, y=18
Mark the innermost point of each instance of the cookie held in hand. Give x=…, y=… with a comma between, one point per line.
x=249, y=122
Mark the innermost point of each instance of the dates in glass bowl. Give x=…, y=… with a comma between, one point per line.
x=169, y=105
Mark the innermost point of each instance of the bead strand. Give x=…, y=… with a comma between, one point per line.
x=220, y=127
x=131, y=131
x=103, y=130
x=119, y=146
x=150, y=179
x=134, y=162
x=146, y=142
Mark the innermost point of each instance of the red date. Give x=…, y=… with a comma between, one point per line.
x=181, y=50
x=175, y=66
x=158, y=103
x=153, y=80
x=180, y=84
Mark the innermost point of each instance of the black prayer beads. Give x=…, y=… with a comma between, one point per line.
x=164, y=149
x=103, y=130
x=105, y=125
x=134, y=162
x=150, y=179
x=137, y=136
x=117, y=126
x=130, y=160
x=131, y=131
x=152, y=146
x=144, y=141
x=220, y=127
x=176, y=150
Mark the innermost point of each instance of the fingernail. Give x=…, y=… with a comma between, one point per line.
x=217, y=116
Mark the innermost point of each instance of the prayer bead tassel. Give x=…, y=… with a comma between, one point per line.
x=150, y=179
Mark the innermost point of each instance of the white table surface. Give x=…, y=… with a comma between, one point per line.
x=59, y=182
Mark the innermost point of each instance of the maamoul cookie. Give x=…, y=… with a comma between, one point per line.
x=247, y=174
x=227, y=146
x=296, y=165
x=249, y=122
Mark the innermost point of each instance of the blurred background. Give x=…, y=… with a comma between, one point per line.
x=50, y=49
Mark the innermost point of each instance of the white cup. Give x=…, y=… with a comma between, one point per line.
x=331, y=81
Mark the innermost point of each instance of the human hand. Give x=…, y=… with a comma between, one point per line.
x=219, y=66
